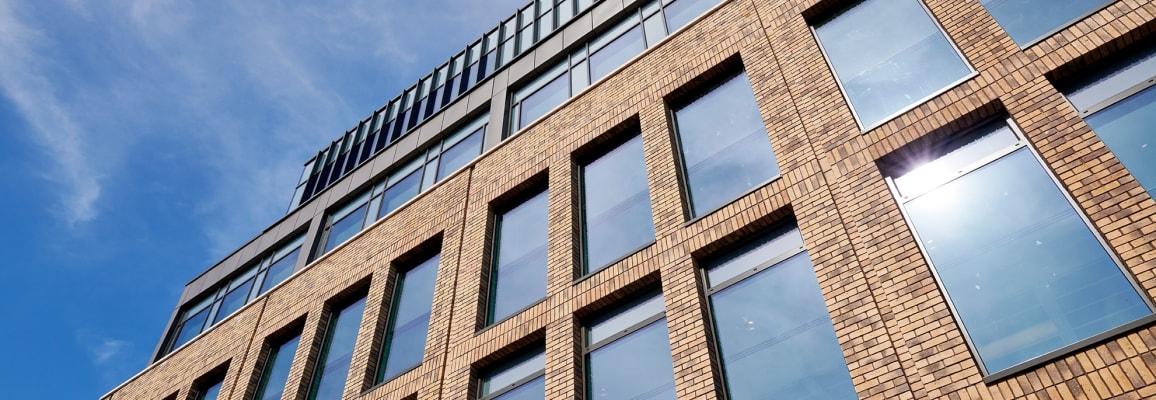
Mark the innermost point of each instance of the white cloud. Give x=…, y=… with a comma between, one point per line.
x=105, y=350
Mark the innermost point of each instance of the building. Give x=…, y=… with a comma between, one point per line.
x=717, y=199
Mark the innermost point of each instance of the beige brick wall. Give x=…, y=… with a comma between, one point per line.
x=893, y=324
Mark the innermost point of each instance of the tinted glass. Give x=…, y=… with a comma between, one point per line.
x=776, y=338
x=517, y=369
x=636, y=366
x=280, y=270
x=616, y=53
x=725, y=148
x=191, y=327
x=409, y=320
x=1028, y=20
x=460, y=154
x=211, y=392
x=398, y=194
x=519, y=276
x=532, y=390
x=1023, y=270
x=680, y=12
x=888, y=54
x=234, y=301
x=1128, y=129
x=329, y=378
x=276, y=373
x=346, y=227
x=545, y=99
x=616, y=205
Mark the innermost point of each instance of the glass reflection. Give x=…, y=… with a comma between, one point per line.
x=616, y=205
x=404, y=190
x=460, y=154
x=1028, y=20
x=336, y=353
x=616, y=53
x=211, y=393
x=233, y=301
x=519, y=276
x=545, y=99
x=888, y=54
x=276, y=373
x=1128, y=128
x=532, y=390
x=522, y=367
x=409, y=320
x=636, y=366
x=191, y=328
x=1023, y=270
x=725, y=148
x=776, y=337
x=345, y=228
x=681, y=12
x=280, y=270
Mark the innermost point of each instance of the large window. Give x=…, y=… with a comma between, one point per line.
x=628, y=353
x=616, y=217
x=724, y=146
x=1023, y=272
x=773, y=330
x=521, y=378
x=234, y=293
x=888, y=56
x=408, y=320
x=336, y=352
x=638, y=30
x=1029, y=20
x=518, y=273
x=1119, y=103
x=275, y=375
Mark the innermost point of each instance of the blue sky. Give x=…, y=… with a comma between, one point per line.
x=143, y=140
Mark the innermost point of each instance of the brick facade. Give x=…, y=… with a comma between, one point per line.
x=894, y=326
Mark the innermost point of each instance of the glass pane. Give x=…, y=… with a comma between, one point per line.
x=409, y=320
x=776, y=337
x=961, y=153
x=233, y=301
x=888, y=54
x=336, y=353
x=1128, y=128
x=191, y=328
x=1102, y=84
x=345, y=228
x=1023, y=270
x=519, y=276
x=398, y=194
x=751, y=255
x=517, y=369
x=616, y=53
x=1028, y=20
x=210, y=393
x=655, y=30
x=637, y=366
x=460, y=154
x=532, y=390
x=725, y=148
x=276, y=373
x=545, y=99
x=681, y=12
x=280, y=270
x=627, y=316
x=616, y=206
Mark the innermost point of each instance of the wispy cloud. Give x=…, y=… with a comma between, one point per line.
x=105, y=350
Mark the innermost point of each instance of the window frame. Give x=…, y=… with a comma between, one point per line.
x=584, y=268
x=617, y=308
x=1021, y=143
x=494, y=247
x=863, y=128
x=390, y=328
x=518, y=383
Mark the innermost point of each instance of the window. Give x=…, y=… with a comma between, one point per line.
x=521, y=378
x=724, y=148
x=591, y=61
x=518, y=275
x=773, y=330
x=616, y=217
x=1024, y=274
x=888, y=56
x=234, y=293
x=628, y=353
x=275, y=375
x=1119, y=103
x=336, y=352
x=209, y=392
x=1027, y=21
x=346, y=222
x=408, y=320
